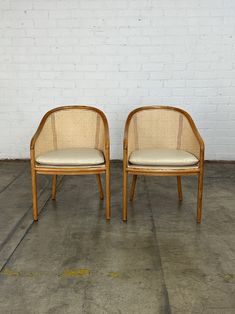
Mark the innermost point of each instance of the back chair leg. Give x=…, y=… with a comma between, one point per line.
x=199, y=197
x=100, y=186
x=34, y=194
x=54, y=182
x=133, y=185
x=125, y=187
x=107, y=179
x=180, y=193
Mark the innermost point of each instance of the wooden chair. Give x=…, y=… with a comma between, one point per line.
x=71, y=140
x=162, y=141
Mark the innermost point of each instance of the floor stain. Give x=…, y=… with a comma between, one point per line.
x=76, y=272
x=113, y=274
x=9, y=272
x=229, y=277
x=67, y=273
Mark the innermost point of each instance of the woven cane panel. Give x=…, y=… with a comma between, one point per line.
x=45, y=142
x=189, y=141
x=71, y=128
x=161, y=128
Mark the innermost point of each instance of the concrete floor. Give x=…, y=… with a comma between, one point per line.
x=73, y=261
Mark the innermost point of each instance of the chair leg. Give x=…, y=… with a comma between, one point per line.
x=54, y=181
x=34, y=194
x=107, y=179
x=125, y=187
x=180, y=193
x=133, y=185
x=199, y=197
x=100, y=186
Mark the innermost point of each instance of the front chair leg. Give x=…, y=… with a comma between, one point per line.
x=100, y=186
x=133, y=185
x=199, y=197
x=34, y=194
x=107, y=179
x=54, y=181
x=180, y=193
x=125, y=183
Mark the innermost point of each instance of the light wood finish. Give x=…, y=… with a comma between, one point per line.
x=34, y=191
x=125, y=186
x=148, y=171
x=161, y=173
x=179, y=184
x=101, y=193
x=34, y=188
x=199, y=197
x=54, y=182
x=107, y=185
x=72, y=170
x=133, y=185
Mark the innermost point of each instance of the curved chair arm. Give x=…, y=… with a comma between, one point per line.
x=106, y=148
x=36, y=136
x=34, y=145
x=39, y=129
x=125, y=138
x=196, y=135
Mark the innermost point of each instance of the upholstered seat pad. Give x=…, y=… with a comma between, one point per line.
x=162, y=157
x=72, y=157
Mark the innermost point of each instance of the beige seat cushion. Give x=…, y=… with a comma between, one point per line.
x=162, y=157
x=72, y=157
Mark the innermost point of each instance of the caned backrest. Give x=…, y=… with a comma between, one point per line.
x=161, y=127
x=72, y=127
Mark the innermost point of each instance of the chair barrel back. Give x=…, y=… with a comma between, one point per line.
x=72, y=127
x=161, y=127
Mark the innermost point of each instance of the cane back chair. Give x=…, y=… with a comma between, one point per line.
x=71, y=140
x=162, y=141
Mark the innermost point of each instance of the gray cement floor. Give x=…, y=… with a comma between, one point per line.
x=73, y=261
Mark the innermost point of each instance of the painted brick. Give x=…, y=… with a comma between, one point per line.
x=117, y=55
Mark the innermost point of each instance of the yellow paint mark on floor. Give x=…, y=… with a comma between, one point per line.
x=229, y=277
x=67, y=273
x=76, y=272
x=11, y=273
x=113, y=274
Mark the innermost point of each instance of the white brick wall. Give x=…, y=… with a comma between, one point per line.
x=117, y=55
